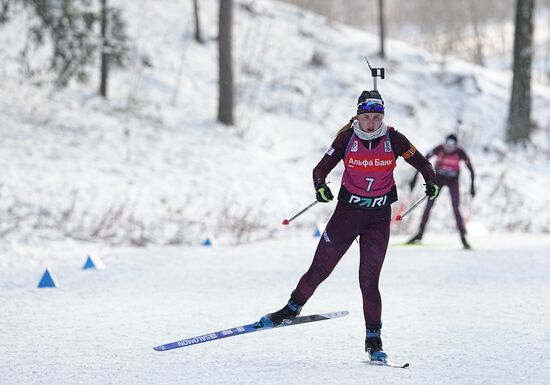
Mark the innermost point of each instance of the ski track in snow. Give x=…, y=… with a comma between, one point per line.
x=458, y=317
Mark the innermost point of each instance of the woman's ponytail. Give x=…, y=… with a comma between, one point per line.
x=347, y=126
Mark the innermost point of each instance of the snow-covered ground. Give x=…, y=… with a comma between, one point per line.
x=458, y=317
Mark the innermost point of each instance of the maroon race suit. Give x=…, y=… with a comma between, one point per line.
x=363, y=210
x=447, y=169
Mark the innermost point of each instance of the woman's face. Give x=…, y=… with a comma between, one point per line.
x=370, y=121
x=449, y=146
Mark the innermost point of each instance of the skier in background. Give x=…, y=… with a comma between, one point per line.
x=447, y=169
x=369, y=150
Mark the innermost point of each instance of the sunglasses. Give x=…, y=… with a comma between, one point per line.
x=370, y=107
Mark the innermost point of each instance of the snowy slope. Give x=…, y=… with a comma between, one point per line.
x=153, y=166
x=458, y=317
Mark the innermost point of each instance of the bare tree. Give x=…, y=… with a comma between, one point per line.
x=198, y=31
x=479, y=37
x=381, y=23
x=225, y=104
x=104, y=75
x=519, y=118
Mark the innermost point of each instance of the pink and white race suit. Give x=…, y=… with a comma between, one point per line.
x=448, y=164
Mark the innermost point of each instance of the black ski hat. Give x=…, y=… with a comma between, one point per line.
x=452, y=137
x=374, y=94
x=370, y=101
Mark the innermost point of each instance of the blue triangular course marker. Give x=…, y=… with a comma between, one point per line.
x=89, y=264
x=47, y=280
x=207, y=242
x=317, y=233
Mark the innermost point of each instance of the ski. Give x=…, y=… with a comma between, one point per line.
x=391, y=364
x=244, y=329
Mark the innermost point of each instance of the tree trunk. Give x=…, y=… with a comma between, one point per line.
x=519, y=118
x=225, y=105
x=382, y=25
x=104, y=48
x=479, y=48
x=198, y=31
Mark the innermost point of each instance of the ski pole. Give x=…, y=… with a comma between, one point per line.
x=400, y=217
x=402, y=207
x=287, y=221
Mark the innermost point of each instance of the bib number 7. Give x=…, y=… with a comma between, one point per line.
x=370, y=180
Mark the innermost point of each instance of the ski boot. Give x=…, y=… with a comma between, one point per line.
x=373, y=345
x=464, y=241
x=284, y=316
x=417, y=238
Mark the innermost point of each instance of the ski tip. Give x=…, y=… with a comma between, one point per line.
x=389, y=363
x=398, y=217
x=396, y=365
x=285, y=222
x=159, y=348
x=336, y=314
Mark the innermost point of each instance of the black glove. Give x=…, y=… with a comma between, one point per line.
x=323, y=193
x=432, y=190
x=472, y=190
